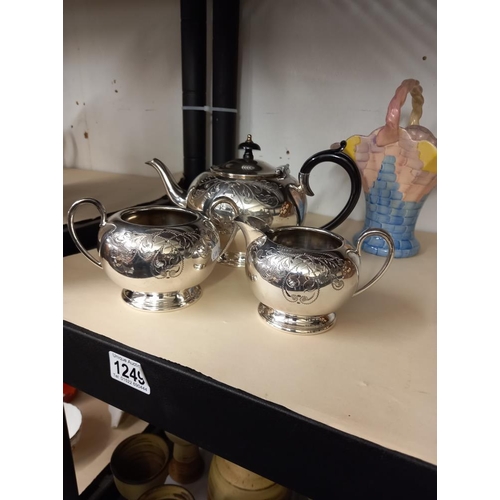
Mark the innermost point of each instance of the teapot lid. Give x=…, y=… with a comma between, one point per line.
x=247, y=167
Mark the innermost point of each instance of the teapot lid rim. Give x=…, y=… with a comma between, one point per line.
x=245, y=169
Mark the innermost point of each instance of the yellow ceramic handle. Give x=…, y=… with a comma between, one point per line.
x=390, y=132
x=417, y=102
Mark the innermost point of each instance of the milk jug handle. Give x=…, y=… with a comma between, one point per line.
x=71, y=227
x=390, y=243
x=337, y=156
x=212, y=216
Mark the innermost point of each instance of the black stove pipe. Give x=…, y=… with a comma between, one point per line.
x=194, y=74
x=225, y=79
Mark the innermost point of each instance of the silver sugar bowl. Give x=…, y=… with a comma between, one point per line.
x=303, y=275
x=158, y=255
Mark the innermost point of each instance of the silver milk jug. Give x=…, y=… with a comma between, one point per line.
x=302, y=275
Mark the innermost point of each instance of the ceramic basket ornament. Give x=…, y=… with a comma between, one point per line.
x=399, y=169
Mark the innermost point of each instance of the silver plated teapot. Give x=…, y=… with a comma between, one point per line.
x=258, y=190
x=303, y=275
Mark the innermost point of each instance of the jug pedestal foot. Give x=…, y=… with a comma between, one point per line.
x=162, y=302
x=292, y=323
x=233, y=259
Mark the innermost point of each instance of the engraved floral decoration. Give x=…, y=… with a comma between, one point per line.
x=244, y=194
x=158, y=253
x=266, y=192
x=300, y=275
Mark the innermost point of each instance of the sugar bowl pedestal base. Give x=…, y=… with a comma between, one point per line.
x=162, y=302
x=293, y=323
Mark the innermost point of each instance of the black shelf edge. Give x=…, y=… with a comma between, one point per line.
x=308, y=457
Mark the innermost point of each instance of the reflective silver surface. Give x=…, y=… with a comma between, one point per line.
x=157, y=255
x=162, y=301
x=293, y=323
x=302, y=275
x=278, y=199
x=257, y=189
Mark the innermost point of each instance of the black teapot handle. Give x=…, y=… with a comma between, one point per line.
x=335, y=155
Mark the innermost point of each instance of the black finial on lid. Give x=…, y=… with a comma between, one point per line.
x=248, y=146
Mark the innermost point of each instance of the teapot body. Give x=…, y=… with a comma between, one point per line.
x=279, y=201
x=257, y=189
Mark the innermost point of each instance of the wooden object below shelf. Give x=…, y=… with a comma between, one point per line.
x=98, y=439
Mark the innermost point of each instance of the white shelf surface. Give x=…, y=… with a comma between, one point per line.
x=114, y=191
x=373, y=375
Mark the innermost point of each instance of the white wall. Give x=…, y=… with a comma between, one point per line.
x=122, y=84
x=312, y=72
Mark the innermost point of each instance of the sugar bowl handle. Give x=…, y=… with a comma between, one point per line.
x=390, y=243
x=335, y=155
x=71, y=227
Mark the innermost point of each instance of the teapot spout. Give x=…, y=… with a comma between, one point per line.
x=251, y=227
x=174, y=191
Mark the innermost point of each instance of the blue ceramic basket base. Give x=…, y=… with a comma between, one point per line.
x=386, y=209
x=377, y=246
